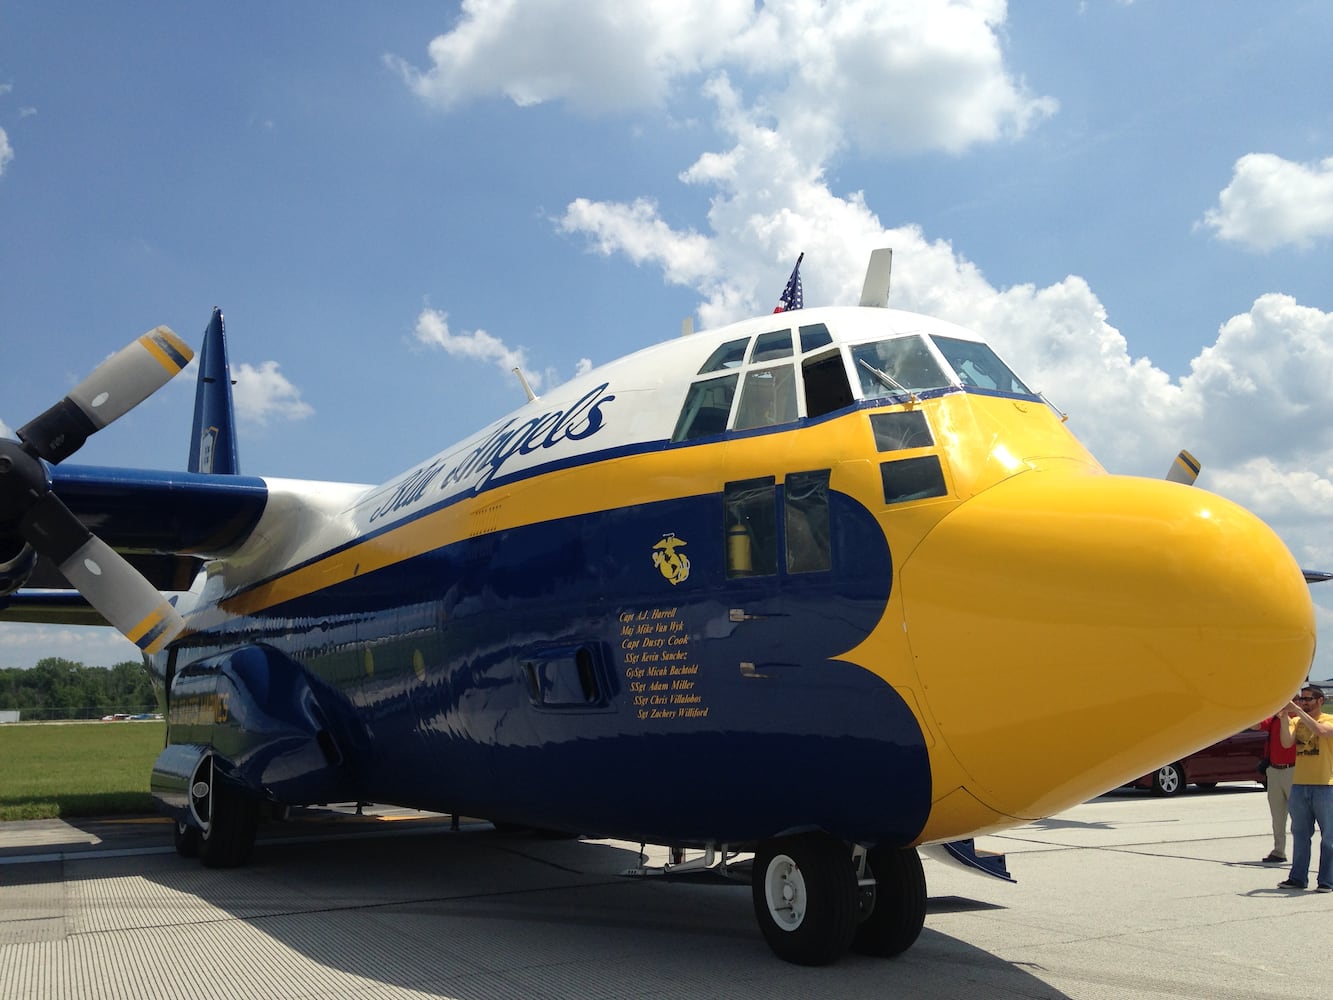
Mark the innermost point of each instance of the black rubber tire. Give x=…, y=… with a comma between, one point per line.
x=230, y=838
x=1169, y=779
x=899, y=909
x=815, y=925
x=186, y=839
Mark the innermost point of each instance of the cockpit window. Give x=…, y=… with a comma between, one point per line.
x=977, y=365
x=897, y=367
x=814, y=336
x=707, y=406
x=770, y=346
x=729, y=355
x=768, y=396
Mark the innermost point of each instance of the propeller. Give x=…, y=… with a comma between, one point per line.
x=1185, y=469
x=28, y=506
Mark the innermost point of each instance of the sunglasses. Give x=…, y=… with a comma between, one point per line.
x=1308, y=697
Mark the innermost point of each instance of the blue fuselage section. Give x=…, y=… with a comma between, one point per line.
x=559, y=675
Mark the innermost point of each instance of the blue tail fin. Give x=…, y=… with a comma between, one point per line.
x=213, y=446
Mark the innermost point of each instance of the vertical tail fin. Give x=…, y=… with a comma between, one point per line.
x=213, y=446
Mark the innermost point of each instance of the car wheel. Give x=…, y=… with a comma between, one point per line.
x=1168, y=780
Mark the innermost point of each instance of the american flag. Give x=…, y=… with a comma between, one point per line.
x=791, y=295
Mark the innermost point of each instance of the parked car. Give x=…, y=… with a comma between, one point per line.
x=1235, y=758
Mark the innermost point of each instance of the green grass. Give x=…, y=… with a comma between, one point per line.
x=50, y=769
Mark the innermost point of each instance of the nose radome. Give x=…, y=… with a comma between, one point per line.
x=1074, y=632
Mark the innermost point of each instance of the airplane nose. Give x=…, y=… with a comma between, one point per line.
x=1072, y=633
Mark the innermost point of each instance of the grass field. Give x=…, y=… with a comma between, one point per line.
x=55, y=769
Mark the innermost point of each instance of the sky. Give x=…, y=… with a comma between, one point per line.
x=396, y=204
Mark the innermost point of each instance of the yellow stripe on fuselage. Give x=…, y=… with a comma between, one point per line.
x=845, y=445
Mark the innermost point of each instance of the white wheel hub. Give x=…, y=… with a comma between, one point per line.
x=784, y=890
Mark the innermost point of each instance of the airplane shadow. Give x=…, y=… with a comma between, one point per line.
x=480, y=913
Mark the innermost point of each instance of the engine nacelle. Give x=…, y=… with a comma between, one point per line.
x=17, y=561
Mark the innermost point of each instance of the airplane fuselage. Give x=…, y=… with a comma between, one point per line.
x=814, y=571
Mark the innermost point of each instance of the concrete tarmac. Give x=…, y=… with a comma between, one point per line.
x=1124, y=896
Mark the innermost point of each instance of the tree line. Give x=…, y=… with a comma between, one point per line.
x=62, y=689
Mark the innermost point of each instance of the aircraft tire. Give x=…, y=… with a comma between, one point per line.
x=186, y=839
x=230, y=838
x=1169, y=779
x=899, y=909
x=805, y=897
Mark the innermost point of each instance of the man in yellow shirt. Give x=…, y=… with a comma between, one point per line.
x=1310, y=731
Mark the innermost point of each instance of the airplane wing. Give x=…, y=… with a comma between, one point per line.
x=163, y=523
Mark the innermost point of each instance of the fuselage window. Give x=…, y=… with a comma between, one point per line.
x=896, y=367
x=707, y=407
x=771, y=346
x=729, y=355
x=814, y=336
x=751, y=527
x=898, y=431
x=826, y=387
x=977, y=365
x=806, y=520
x=768, y=397
x=562, y=678
x=912, y=479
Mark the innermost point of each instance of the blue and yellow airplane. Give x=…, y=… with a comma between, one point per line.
x=821, y=587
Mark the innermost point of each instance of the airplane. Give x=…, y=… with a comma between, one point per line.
x=806, y=593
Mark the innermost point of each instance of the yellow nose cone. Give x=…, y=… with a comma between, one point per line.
x=1072, y=633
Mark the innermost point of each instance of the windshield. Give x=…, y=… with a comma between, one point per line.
x=977, y=365
x=897, y=367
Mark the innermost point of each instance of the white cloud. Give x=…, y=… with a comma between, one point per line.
x=1272, y=202
x=900, y=76
x=477, y=345
x=599, y=55
x=262, y=392
x=6, y=151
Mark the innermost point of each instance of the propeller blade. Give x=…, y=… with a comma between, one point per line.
x=111, y=585
x=117, y=385
x=1184, y=470
x=119, y=592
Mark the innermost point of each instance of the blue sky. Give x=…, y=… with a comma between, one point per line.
x=394, y=204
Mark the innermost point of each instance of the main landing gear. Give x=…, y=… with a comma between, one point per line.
x=815, y=898
x=227, y=820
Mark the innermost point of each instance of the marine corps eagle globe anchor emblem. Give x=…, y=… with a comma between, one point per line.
x=675, y=566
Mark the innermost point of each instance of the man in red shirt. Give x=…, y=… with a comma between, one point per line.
x=1281, y=760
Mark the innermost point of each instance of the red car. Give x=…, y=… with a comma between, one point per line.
x=1235, y=758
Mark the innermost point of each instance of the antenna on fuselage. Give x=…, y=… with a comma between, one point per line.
x=687, y=326
x=526, y=388
x=875, y=289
